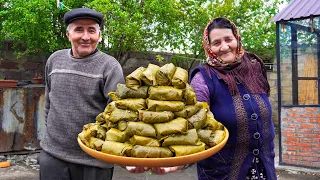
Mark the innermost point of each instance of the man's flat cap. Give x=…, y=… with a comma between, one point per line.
x=82, y=13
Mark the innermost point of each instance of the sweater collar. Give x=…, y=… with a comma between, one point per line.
x=71, y=53
x=90, y=57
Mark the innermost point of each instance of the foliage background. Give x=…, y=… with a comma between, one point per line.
x=174, y=26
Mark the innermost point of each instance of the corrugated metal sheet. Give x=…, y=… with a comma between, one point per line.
x=298, y=9
x=22, y=118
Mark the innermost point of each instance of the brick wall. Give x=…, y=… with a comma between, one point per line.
x=12, y=67
x=300, y=136
x=272, y=78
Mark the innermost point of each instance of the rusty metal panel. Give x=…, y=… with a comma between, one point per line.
x=22, y=118
x=298, y=9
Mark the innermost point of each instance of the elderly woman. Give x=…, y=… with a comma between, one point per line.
x=234, y=83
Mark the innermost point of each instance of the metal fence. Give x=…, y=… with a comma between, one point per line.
x=22, y=118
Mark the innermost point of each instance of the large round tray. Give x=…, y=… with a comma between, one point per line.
x=155, y=162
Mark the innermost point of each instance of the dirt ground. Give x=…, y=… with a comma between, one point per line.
x=25, y=167
x=25, y=172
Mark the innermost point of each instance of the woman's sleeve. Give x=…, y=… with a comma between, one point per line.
x=200, y=88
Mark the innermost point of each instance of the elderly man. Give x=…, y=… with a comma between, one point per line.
x=77, y=84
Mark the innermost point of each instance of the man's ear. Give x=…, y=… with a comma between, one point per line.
x=100, y=36
x=67, y=34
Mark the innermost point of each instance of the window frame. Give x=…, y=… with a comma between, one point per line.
x=294, y=60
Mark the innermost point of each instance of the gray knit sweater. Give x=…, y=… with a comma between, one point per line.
x=76, y=92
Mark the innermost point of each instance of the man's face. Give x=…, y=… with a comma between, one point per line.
x=84, y=35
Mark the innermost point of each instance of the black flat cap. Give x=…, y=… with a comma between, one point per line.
x=82, y=13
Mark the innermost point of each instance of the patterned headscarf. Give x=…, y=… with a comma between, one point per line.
x=245, y=65
x=212, y=58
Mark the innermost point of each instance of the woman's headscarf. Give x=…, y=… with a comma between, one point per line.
x=247, y=69
x=212, y=58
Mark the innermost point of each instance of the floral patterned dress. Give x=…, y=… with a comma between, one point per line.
x=256, y=170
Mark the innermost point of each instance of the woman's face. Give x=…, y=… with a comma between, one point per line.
x=223, y=44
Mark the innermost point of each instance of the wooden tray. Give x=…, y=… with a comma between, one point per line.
x=155, y=162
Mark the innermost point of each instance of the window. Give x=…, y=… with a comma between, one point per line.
x=299, y=61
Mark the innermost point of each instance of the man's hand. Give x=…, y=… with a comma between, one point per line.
x=165, y=170
x=134, y=169
x=156, y=170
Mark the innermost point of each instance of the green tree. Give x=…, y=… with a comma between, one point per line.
x=36, y=23
x=253, y=18
x=140, y=25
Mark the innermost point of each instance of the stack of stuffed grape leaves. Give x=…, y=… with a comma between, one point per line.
x=154, y=115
